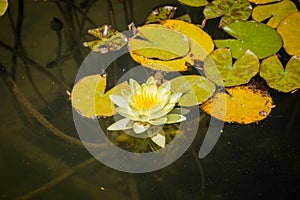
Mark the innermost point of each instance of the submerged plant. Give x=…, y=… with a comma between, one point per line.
x=145, y=105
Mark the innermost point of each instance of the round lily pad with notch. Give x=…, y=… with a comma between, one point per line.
x=155, y=41
x=259, y=38
x=194, y=3
x=108, y=39
x=89, y=99
x=218, y=67
x=201, y=43
x=3, y=6
x=195, y=89
x=274, y=12
x=290, y=33
x=241, y=104
x=284, y=80
x=231, y=10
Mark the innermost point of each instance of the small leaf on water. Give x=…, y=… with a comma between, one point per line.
x=3, y=7
x=218, y=67
x=284, y=80
x=276, y=12
x=231, y=10
x=89, y=99
x=108, y=39
x=242, y=104
x=259, y=38
x=195, y=89
x=194, y=3
x=290, y=33
x=161, y=14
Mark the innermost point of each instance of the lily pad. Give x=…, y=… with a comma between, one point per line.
x=159, y=42
x=161, y=14
x=276, y=12
x=180, y=64
x=89, y=99
x=284, y=80
x=195, y=89
x=108, y=39
x=219, y=63
x=263, y=1
x=194, y=3
x=259, y=38
x=3, y=6
x=243, y=104
x=290, y=33
x=200, y=42
x=231, y=10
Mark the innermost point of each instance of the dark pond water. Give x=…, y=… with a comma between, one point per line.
x=257, y=161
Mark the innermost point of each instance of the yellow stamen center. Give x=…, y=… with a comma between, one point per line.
x=145, y=100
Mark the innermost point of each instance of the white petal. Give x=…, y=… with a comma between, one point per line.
x=165, y=86
x=150, y=80
x=140, y=127
x=175, y=97
x=119, y=101
x=126, y=94
x=159, y=139
x=122, y=124
x=134, y=86
x=159, y=121
x=168, y=108
x=175, y=118
x=126, y=112
x=155, y=111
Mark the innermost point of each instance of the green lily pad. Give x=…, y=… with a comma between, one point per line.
x=108, y=39
x=194, y=3
x=231, y=10
x=3, y=6
x=195, y=89
x=159, y=42
x=284, y=80
x=161, y=14
x=276, y=12
x=290, y=33
x=219, y=63
x=261, y=39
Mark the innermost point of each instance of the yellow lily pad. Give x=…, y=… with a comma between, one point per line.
x=276, y=12
x=201, y=42
x=155, y=41
x=167, y=66
x=263, y=1
x=3, y=6
x=284, y=80
x=243, y=104
x=290, y=33
x=195, y=89
x=89, y=99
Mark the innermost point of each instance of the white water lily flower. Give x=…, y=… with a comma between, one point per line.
x=146, y=105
